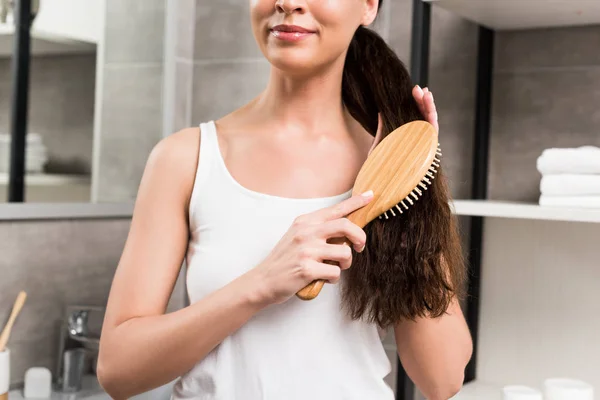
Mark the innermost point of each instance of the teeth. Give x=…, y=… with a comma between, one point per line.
x=404, y=204
x=392, y=211
x=429, y=174
x=386, y=216
x=399, y=209
x=414, y=195
x=427, y=180
x=418, y=191
x=436, y=164
x=409, y=200
x=380, y=217
x=436, y=159
x=424, y=186
x=432, y=169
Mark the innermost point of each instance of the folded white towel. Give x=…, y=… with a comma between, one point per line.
x=570, y=201
x=580, y=160
x=570, y=184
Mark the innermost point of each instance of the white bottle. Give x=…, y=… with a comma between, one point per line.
x=38, y=383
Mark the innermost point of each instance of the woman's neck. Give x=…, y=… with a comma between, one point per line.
x=308, y=104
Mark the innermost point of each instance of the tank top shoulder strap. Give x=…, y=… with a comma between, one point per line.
x=206, y=161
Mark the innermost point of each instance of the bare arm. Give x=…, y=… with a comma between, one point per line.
x=435, y=352
x=141, y=348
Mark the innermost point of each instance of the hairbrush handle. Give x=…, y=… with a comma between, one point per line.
x=313, y=289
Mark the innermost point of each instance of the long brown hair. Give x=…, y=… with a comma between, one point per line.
x=413, y=265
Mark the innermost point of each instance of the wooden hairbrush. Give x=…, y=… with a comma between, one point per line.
x=397, y=170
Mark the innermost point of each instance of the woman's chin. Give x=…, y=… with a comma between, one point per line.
x=293, y=64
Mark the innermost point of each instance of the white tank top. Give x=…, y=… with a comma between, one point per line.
x=297, y=350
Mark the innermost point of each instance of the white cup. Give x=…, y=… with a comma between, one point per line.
x=567, y=389
x=519, y=392
x=4, y=371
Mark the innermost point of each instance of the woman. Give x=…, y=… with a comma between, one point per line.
x=250, y=201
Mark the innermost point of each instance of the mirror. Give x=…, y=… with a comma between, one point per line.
x=94, y=102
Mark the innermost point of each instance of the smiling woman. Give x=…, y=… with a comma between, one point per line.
x=252, y=202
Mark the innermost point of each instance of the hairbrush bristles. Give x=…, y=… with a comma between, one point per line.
x=416, y=192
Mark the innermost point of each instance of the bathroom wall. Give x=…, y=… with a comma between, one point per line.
x=131, y=98
x=61, y=107
x=58, y=263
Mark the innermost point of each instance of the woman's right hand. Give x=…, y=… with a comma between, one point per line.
x=298, y=258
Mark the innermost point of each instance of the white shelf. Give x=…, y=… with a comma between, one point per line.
x=479, y=391
x=60, y=27
x=49, y=188
x=50, y=179
x=506, y=209
x=43, y=43
x=525, y=14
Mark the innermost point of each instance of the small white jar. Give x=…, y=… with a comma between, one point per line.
x=567, y=389
x=520, y=392
x=4, y=371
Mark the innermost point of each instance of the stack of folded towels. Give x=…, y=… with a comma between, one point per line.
x=36, y=153
x=570, y=177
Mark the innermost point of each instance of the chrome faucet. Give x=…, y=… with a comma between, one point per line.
x=78, y=346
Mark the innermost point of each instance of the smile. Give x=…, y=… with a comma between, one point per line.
x=290, y=33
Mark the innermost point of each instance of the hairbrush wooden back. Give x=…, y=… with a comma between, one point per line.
x=400, y=167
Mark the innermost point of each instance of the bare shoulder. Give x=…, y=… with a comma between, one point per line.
x=177, y=150
x=172, y=163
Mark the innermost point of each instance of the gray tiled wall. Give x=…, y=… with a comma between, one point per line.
x=546, y=94
x=132, y=98
x=57, y=263
x=61, y=107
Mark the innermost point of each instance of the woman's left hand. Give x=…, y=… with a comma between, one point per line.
x=424, y=99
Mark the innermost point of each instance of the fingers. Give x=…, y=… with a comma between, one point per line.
x=328, y=272
x=430, y=109
x=424, y=99
x=339, y=210
x=418, y=94
x=343, y=228
x=340, y=254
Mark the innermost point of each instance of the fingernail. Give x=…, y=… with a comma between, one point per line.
x=368, y=193
x=363, y=248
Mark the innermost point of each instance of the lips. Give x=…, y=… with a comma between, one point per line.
x=291, y=33
x=291, y=29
